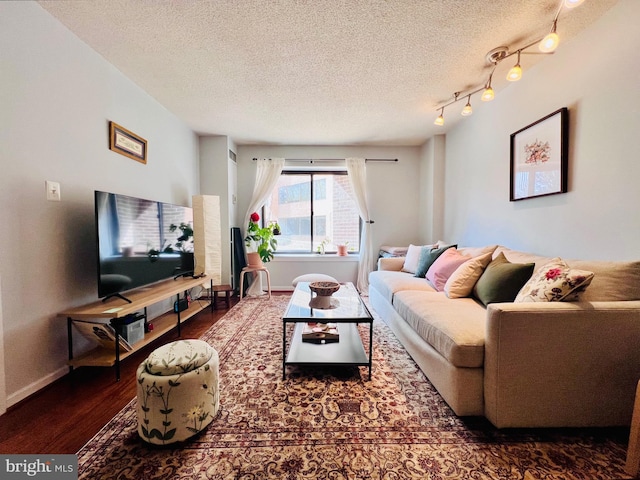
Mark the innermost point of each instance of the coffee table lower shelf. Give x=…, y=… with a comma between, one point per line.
x=348, y=351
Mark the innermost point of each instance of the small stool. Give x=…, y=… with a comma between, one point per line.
x=227, y=289
x=177, y=391
x=258, y=270
x=313, y=277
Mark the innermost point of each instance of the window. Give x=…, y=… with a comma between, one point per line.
x=312, y=208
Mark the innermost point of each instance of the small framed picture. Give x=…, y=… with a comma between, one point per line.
x=539, y=157
x=127, y=143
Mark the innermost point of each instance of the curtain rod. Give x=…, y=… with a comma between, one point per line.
x=311, y=160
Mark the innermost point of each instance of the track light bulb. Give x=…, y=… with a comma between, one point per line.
x=488, y=94
x=515, y=73
x=572, y=3
x=439, y=121
x=549, y=43
x=467, y=110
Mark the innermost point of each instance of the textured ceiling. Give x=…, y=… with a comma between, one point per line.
x=314, y=72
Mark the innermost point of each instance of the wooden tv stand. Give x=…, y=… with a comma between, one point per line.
x=115, y=308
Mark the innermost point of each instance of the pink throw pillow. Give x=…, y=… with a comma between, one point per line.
x=444, y=266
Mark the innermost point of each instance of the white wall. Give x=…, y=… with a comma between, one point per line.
x=391, y=186
x=57, y=97
x=217, y=177
x=431, y=193
x=596, y=75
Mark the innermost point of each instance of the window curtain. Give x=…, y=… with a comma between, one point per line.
x=357, y=170
x=268, y=172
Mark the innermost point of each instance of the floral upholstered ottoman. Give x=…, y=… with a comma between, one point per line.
x=177, y=391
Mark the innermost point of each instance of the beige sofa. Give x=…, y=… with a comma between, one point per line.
x=543, y=364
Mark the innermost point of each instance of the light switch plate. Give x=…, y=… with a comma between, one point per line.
x=53, y=191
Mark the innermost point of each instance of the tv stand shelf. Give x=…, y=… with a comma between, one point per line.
x=115, y=308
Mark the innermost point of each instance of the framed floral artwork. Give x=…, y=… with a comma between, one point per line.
x=539, y=157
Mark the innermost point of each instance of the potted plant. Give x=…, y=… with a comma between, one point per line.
x=184, y=244
x=342, y=249
x=260, y=241
x=322, y=246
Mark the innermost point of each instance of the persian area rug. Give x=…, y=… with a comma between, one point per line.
x=331, y=423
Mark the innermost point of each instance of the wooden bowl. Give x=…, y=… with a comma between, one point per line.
x=324, y=289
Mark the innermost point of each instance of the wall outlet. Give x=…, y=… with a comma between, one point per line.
x=53, y=191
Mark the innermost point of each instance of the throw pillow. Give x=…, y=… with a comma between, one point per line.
x=442, y=268
x=502, y=280
x=554, y=282
x=461, y=282
x=427, y=257
x=477, y=251
x=412, y=257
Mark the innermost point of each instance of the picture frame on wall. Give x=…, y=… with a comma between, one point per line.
x=539, y=157
x=127, y=143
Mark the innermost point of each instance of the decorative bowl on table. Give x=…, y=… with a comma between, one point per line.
x=323, y=291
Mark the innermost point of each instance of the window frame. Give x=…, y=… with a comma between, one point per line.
x=311, y=173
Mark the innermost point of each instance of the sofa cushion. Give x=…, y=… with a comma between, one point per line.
x=516, y=256
x=447, y=263
x=502, y=280
x=461, y=282
x=427, y=257
x=387, y=283
x=553, y=282
x=454, y=328
x=477, y=251
x=612, y=281
x=412, y=257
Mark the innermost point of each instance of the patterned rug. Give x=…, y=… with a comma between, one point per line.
x=331, y=423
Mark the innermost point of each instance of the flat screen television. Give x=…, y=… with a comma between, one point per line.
x=136, y=244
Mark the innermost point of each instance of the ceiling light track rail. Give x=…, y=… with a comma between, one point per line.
x=546, y=45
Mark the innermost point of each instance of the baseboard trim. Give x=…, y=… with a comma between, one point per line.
x=36, y=386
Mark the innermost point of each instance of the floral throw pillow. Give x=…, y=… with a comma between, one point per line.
x=554, y=282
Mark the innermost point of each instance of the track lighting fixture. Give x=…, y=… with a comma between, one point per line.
x=572, y=3
x=515, y=73
x=547, y=45
x=488, y=94
x=467, y=110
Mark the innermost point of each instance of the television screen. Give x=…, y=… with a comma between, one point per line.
x=140, y=242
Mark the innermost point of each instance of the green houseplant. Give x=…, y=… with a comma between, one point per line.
x=260, y=240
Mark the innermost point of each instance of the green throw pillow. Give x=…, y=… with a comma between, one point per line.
x=502, y=280
x=427, y=257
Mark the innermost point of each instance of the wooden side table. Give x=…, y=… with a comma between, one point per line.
x=633, y=451
x=227, y=290
x=258, y=270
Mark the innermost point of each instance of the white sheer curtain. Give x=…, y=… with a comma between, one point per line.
x=357, y=170
x=268, y=172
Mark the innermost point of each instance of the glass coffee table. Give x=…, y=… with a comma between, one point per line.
x=348, y=311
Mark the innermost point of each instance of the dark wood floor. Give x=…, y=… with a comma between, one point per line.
x=64, y=416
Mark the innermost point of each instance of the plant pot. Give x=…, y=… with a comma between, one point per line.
x=254, y=260
x=342, y=251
